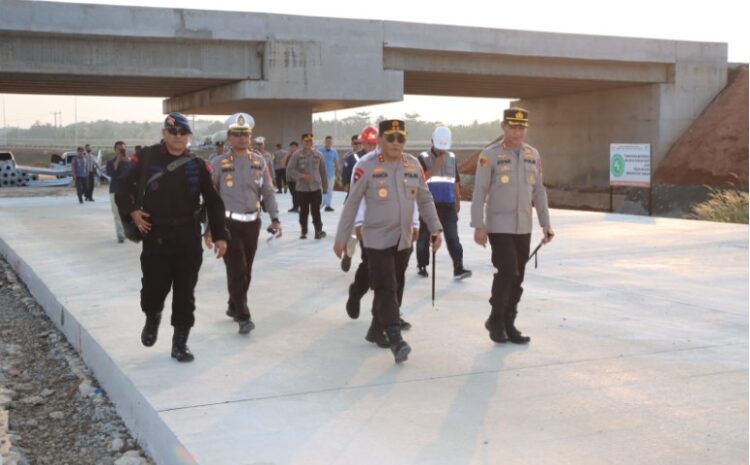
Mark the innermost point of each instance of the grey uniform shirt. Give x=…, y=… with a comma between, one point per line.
x=269, y=160
x=311, y=163
x=389, y=189
x=279, y=157
x=505, y=185
x=240, y=180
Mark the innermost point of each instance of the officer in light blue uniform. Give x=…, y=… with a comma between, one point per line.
x=441, y=171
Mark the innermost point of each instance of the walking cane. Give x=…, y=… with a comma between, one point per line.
x=433, y=271
x=533, y=254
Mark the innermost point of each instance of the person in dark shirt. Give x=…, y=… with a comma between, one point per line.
x=168, y=219
x=116, y=167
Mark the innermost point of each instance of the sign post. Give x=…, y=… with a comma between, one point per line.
x=630, y=166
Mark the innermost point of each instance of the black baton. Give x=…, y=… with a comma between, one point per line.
x=533, y=254
x=433, y=271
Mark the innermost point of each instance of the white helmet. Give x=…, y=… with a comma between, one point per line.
x=240, y=122
x=441, y=138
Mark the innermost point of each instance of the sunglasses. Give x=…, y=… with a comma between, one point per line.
x=239, y=133
x=177, y=132
x=396, y=137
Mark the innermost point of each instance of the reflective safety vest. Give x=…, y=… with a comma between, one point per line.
x=442, y=184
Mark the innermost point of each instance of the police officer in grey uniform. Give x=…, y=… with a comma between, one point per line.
x=307, y=167
x=241, y=176
x=508, y=179
x=389, y=181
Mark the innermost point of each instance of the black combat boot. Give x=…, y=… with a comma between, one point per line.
x=495, y=324
x=399, y=347
x=377, y=336
x=180, y=350
x=319, y=233
x=514, y=335
x=151, y=329
x=352, y=304
x=405, y=325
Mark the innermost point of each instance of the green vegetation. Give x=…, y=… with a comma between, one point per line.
x=724, y=205
x=102, y=134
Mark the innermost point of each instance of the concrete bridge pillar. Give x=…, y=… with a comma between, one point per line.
x=573, y=131
x=282, y=124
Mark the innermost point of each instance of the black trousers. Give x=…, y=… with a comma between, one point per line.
x=90, y=186
x=292, y=190
x=82, y=187
x=449, y=220
x=170, y=260
x=280, y=179
x=239, y=264
x=509, y=255
x=361, y=283
x=387, y=270
x=310, y=201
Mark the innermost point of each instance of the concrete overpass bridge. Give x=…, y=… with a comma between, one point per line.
x=584, y=92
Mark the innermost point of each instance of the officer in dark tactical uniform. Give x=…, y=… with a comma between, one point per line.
x=508, y=182
x=391, y=183
x=241, y=176
x=169, y=222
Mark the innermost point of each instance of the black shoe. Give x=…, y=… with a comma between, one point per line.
x=461, y=273
x=405, y=325
x=246, y=326
x=422, y=271
x=329, y=209
x=151, y=329
x=399, y=347
x=346, y=263
x=497, y=331
x=377, y=337
x=180, y=350
x=231, y=314
x=514, y=335
x=352, y=305
x=303, y=236
x=293, y=210
x=278, y=191
x=320, y=235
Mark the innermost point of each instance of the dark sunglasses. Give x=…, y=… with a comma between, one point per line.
x=177, y=132
x=396, y=137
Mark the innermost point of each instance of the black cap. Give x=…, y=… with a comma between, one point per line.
x=177, y=120
x=516, y=117
x=391, y=126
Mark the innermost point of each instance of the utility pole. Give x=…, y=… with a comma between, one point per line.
x=75, y=119
x=5, y=129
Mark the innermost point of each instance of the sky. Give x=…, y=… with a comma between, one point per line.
x=715, y=21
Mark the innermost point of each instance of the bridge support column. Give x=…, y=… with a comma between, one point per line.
x=573, y=132
x=281, y=124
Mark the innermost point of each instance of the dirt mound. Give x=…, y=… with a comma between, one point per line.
x=714, y=149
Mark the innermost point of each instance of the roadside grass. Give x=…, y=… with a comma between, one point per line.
x=723, y=205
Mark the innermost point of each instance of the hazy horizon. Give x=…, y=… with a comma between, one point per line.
x=719, y=22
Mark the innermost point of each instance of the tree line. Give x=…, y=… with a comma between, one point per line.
x=104, y=132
